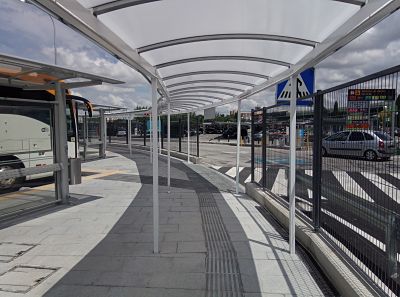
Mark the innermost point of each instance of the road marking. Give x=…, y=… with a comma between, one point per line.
x=248, y=179
x=383, y=185
x=232, y=172
x=310, y=195
x=350, y=185
x=280, y=184
x=215, y=167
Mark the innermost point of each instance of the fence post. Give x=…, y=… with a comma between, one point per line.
x=252, y=145
x=264, y=147
x=180, y=134
x=198, y=136
x=144, y=131
x=317, y=160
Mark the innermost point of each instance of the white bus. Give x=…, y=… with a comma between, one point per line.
x=26, y=134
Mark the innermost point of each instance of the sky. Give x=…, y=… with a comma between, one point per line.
x=28, y=32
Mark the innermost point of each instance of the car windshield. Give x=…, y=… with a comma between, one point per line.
x=383, y=135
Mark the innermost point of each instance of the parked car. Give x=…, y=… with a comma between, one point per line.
x=121, y=133
x=368, y=144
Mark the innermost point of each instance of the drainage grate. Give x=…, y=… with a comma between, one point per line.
x=9, y=250
x=21, y=279
x=222, y=268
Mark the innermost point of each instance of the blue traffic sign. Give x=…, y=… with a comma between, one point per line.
x=298, y=102
x=305, y=85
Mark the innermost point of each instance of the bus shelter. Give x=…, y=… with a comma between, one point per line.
x=39, y=125
x=203, y=54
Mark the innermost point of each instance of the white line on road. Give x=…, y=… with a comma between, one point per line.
x=350, y=185
x=232, y=172
x=383, y=185
x=280, y=184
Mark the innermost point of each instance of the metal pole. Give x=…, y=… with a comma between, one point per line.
x=86, y=135
x=144, y=130
x=103, y=134
x=162, y=133
x=169, y=144
x=180, y=134
x=61, y=145
x=252, y=145
x=127, y=140
x=151, y=139
x=109, y=126
x=130, y=136
x=155, y=164
x=292, y=165
x=159, y=134
x=317, y=161
x=264, y=148
x=197, y=136
x=238, y=145
x=188, y=137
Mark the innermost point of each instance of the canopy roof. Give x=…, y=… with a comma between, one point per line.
x=212, y=52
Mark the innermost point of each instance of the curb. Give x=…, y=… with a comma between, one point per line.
x=346, y=280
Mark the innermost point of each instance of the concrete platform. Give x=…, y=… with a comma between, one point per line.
x=212, y=242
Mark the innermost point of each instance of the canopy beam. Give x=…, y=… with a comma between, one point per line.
x=227, y=81
x=265, y=37
x=206, y=87
x=197, y=96
x=216, y=72
x=220, y=58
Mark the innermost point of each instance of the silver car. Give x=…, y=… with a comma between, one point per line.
x=368, y=144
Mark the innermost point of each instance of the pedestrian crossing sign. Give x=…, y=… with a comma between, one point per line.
x=305, y=86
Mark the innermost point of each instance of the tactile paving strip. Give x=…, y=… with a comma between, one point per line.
x=222, y=268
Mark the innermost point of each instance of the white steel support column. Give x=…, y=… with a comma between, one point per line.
x=61, y=145
x=169, y=144
x=188, y=137
x=151, y=140
x=238, y=133
x=130, y=136
x=155, y=164
x=292, y=165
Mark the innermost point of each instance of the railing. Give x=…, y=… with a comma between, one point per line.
x=347, y=169
x=179, y=134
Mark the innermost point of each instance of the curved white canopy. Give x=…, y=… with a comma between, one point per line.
x=224, y=49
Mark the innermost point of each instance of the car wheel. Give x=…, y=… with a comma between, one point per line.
x=324, y=152
x=370, y=155
x=11, y=183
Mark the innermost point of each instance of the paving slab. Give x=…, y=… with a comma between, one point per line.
x=212, y=242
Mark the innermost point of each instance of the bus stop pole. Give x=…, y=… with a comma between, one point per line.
x=61, y=151
x=292, y=165
x=155, y=163
x=238, y=135
x=188, y=137
x=169, y=144
x=130, y=136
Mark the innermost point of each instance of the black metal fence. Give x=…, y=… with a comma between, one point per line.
x=347, y=168
x=179, y=134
